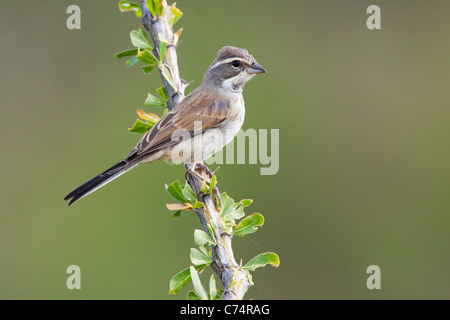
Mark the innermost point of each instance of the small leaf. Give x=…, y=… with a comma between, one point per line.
x=125, y=6
x=162, y=50
x=198, y=287
x=212, y=184
x=190, y=195
x=231, y=211
x=205, y=251
x=131, y=62
x=148, y=68
x=261, y=260
x=191, y=295
x=203, y=188
x=176, y=214
x=150, y=118
x=249, y=276
x=178, y=206
x=167, y=76
x=181, y=279
x=227, y=204
x=153, y=101
x=140, y=41
x=174, y=189
x=151, y=6
x=186, y=195
x=249, y=225
x=140, y=127
x=212, y=288
x=158, y=7
x=163, y=93
x=199, y=258
x=175, y=15
x=201, y=238
x=143, y=33
x=126, y=53
x=246, y=202
x=147, y=57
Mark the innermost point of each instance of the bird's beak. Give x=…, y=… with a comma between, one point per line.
x=256, y=68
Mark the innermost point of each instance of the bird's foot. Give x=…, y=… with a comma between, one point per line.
x=203, y=167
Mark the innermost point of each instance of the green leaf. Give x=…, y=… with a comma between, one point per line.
x=163, y=93
x=249, y=225
x=239, y=209
x=140, y=41
x=227, y=204
x=212, y=184
x=181, y=279
x=131, y=62
x=125, y=6
x=231, y=210
x=143, y=33
x=174, y=189
x=201, y=238
x=151, y=6
x=147, y=57
x=190, y=195
x=175, y=15
x=158, y=6
x=249, y=277
x=185, y=195
x=198, y=287
x=199, y=258
x=176, y=214
x=140, y=127
x=246, y=202
x=126, y=53
x=162, y=50
x=191, y=295
x=261, y=260
x=167, y=76
x=212, y=288
x=148, y=68
x=153, y=101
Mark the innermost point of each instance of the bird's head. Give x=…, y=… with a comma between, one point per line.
x=232, y=69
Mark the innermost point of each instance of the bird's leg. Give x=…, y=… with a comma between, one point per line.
x=193, y=173
x=201, y=166
x=215, y=190
x=206, y=180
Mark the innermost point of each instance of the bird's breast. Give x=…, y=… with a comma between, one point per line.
x=235, y=119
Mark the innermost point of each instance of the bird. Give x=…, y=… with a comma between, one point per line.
x=201, y=124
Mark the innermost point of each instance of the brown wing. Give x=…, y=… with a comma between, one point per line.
x=197, y=106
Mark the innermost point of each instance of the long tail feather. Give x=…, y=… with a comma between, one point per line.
x=99, y=181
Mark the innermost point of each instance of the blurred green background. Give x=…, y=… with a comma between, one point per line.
x=364, y=119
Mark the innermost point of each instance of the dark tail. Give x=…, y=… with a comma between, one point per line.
x=97, y=182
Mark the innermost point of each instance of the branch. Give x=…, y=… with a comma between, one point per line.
x=161, y=26
x=234, y=279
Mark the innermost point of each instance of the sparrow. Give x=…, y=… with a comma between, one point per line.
x=200, y=125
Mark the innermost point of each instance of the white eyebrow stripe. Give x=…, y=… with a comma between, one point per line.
x=228, y=61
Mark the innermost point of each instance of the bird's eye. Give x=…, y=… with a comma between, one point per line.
x=236, y=63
